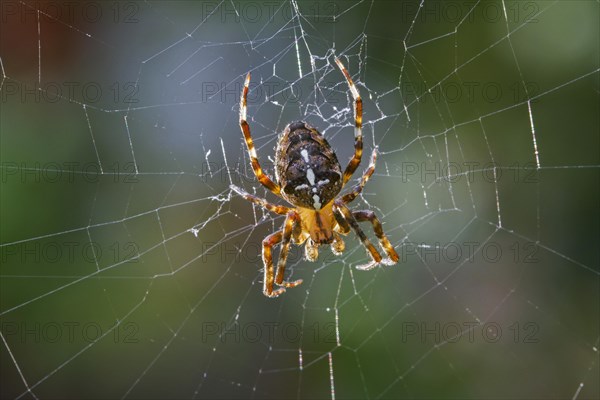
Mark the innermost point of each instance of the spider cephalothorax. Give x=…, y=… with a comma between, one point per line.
x=309, y=176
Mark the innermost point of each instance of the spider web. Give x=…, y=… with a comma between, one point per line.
x=130, y=269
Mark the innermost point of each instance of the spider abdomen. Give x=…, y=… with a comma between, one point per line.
x=307, y=168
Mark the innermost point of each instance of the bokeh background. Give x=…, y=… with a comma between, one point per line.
x=129, y=268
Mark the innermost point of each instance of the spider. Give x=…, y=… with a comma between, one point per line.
x=309, y=176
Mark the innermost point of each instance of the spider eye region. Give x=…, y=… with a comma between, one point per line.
x=307, y=168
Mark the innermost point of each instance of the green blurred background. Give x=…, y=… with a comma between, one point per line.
x=129, y=269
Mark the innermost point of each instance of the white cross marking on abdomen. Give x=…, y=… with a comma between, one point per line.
x=310, y=175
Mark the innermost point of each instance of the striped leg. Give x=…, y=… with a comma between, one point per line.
x=292, y=219
x=343, y=226
x=267, y=256
x=347, y=215
x=356, y=190
x=358, y=143
x=260, y=175
x=261, y=202
x=370, y=216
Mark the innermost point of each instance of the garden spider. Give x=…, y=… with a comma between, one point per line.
x=308, y=176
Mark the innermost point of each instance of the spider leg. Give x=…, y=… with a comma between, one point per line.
x=299, y=235
x=292, y=220
x=341, y=208
x=282, y=210
x=356, y=190
x=358, y=143
x=343, y=226
x=260, y=175
x=267, y=256
x=370, y=216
